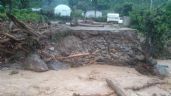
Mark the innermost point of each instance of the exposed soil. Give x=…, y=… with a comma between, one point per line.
x=83, y=80
x=107, y=46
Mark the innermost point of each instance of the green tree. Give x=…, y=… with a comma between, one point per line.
x=94, y=3
x=84, y=5
x=24, y=4
x=156, y=28
x=7, y=3
x=125, y=9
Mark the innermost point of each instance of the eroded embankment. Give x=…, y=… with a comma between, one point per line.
x=61, y=45
x=79, y=47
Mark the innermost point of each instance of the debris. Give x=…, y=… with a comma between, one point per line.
x=52, y=48
x=22, y=38
x=22, y=26
x=75, y=56
x=76, y=47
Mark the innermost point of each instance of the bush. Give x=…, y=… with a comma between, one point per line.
x=3, y=17
x=2, y=14
x=27, y=15
x=124, y=9
x=77, y=14
x=24, y=15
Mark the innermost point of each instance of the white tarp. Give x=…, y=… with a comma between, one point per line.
x=62, y=10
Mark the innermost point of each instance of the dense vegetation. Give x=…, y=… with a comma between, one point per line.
x=20, y=8
x=150, y=17
x=155, y=26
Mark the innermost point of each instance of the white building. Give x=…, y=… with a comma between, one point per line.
x=36, y=9
x=62, y=10
x=91, y=14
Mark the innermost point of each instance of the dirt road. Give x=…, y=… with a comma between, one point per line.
x=84, y=80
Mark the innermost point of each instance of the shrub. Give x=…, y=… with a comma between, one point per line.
x=27, y=15
x=2, y=14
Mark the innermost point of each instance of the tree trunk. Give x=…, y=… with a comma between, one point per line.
x=24, y=4
x=10, y=6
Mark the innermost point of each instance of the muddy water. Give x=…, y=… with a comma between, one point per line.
x=84, y=80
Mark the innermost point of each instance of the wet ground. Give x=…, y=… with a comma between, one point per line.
x=85, y=80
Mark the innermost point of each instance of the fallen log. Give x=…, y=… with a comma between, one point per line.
x=137, y=88
x=51, y=57
x=116, y=88
x=74, y=56
x=6, y=51
x=10, y=36
x=15, y=30
x=4, y=40
x=109, y=94
x=61, y=58
x=22, y=26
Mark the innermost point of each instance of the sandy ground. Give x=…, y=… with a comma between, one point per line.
x=85, y=80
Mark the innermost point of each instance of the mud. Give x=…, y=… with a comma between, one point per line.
x=85, y=80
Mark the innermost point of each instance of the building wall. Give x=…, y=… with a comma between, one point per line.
x=91, y=14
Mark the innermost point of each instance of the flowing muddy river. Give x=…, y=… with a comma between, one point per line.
x=85, y=80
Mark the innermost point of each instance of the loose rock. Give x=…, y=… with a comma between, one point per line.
x=35, y=63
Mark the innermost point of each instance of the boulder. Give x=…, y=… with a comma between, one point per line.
x=34, y=63
x=56, y=65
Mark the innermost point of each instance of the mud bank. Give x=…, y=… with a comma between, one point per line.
x=80, y=47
